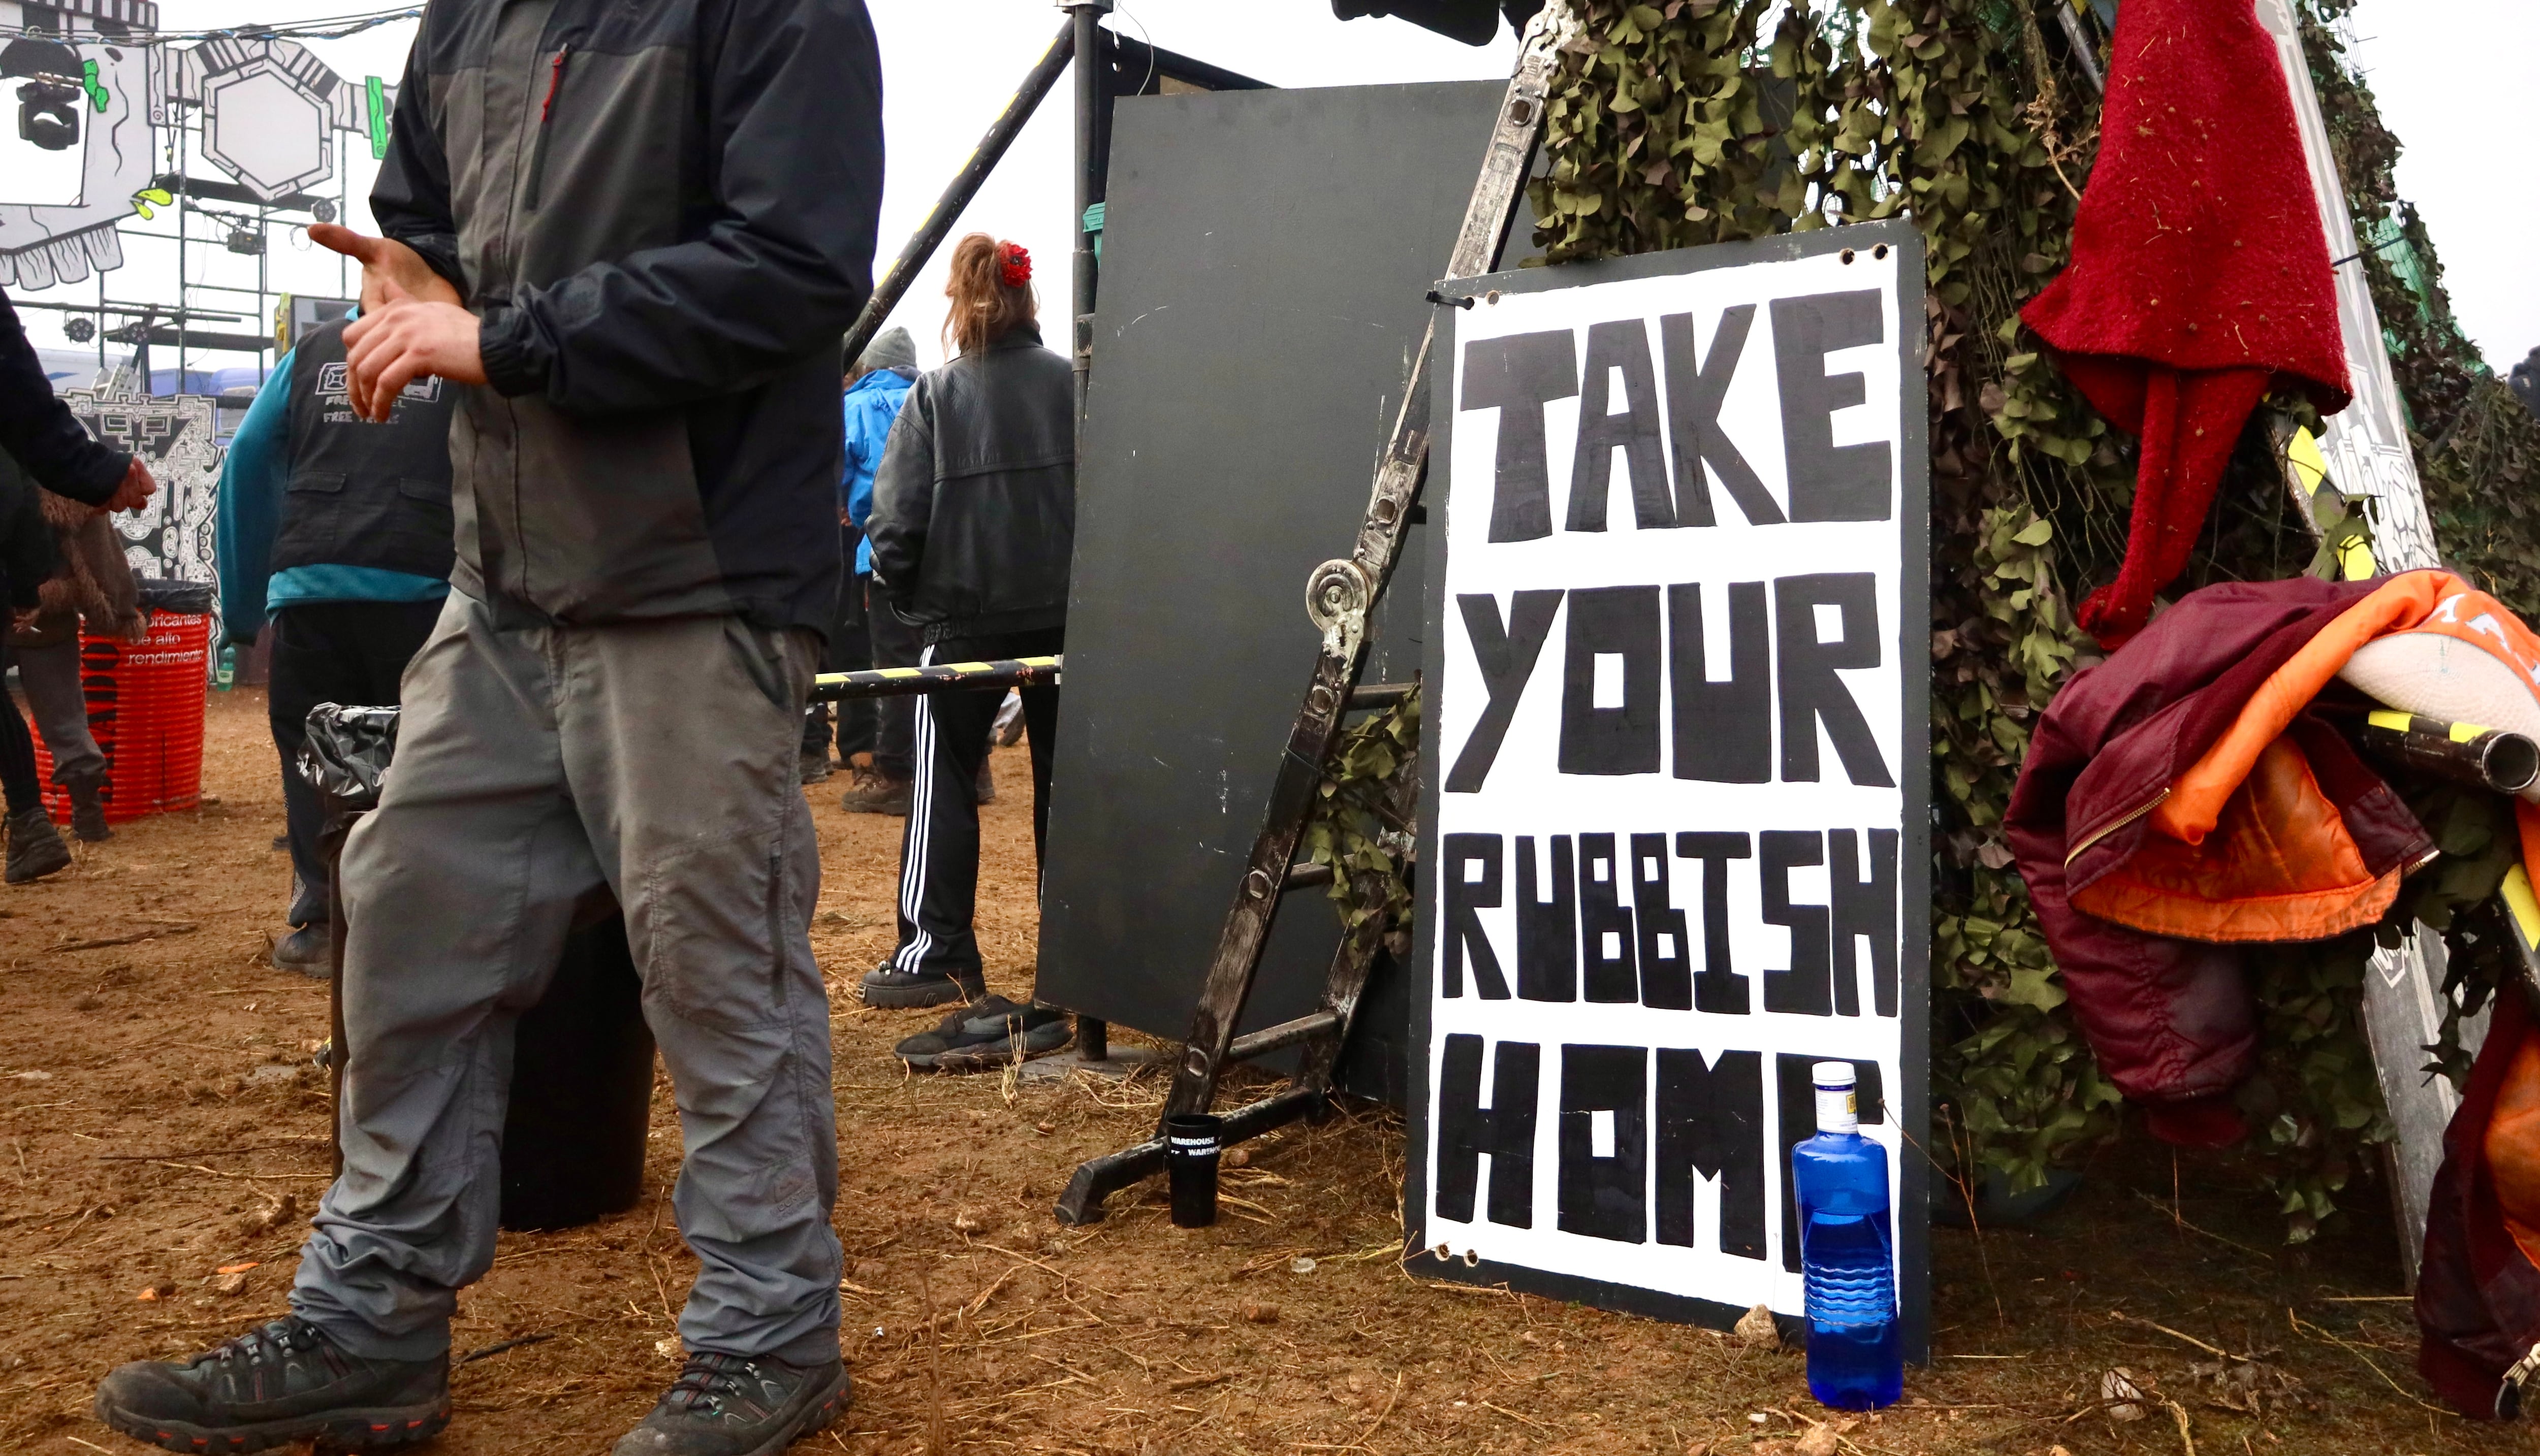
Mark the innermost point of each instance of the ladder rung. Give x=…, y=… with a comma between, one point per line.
x=1307, y=875
x=1285, y=1034
x=1380, y=694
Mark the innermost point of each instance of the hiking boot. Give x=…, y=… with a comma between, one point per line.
x=816, y=765
x=893, y=988
x=983, y=790
x=88, y=810
x=281, y=1382
x=36, y=847
x=730, y=1405
x=870, y=792
x=986, y=1034
x=306, y=950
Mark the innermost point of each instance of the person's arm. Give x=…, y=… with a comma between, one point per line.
x=904, y=498
x=411, y=198
x=38, y=429
x=254, y=478
x=795, y=154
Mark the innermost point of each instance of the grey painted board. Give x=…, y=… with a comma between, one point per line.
x=1265, y=260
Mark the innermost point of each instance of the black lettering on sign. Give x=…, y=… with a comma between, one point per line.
x=1604, y=923
x=1717, y=988
x=1710, y=1122
x=1667, y=961
x=1599, y=1193
x=1507, y=658
x=1547, y=931
x=1694, y=395
x=1796, y=1087
x=1724, y=730
x=1516, y=376
x=1472, y=886
x=1619, y=624
x=1623, y=345
x=1503, y=1132
x=1812, y=693
x=1864, y=909
x=1828, y=481
x=1804, y=989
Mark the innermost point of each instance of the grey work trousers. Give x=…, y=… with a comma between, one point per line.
x=50, y=677
x=535, y=768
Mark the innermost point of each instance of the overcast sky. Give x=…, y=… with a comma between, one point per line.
x=2453, y=77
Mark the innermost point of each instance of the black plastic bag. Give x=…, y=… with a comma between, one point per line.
x=161, y=594
x=346, y=756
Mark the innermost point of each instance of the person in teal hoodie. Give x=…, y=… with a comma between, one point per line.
x=338, y=532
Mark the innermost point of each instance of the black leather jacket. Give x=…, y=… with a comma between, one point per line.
x=974, y=506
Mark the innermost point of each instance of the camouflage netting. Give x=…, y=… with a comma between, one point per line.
x=1681, y=122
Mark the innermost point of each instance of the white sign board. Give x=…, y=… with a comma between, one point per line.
x=1676, y=791
x=172, y=536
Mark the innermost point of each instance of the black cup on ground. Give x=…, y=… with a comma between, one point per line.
x=1191, y=1145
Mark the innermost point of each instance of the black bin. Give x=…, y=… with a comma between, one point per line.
x=582, y=1062
x=582, y=1088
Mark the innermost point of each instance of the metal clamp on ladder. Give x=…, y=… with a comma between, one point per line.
x=1339, y=597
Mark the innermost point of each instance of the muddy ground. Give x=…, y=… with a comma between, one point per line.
x=157, y=1113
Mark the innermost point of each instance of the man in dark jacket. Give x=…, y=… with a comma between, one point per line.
x=38, y=432
x=635, y=235
x=339, y=529
x=972, y=528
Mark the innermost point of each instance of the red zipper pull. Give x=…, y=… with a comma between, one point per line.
x=555, y=78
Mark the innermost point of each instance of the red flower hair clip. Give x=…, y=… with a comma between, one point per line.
x=1014, y=268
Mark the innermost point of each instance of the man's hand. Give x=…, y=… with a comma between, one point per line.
x=135, y=490
x=405, y=342
x=390, y=271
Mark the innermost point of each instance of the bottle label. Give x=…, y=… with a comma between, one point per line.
x=1836, y=1111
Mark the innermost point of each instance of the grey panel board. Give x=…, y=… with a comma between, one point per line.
x=1266, y=257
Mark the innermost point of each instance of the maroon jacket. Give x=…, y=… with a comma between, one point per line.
x=2477, y=1297
x=2172, y=1021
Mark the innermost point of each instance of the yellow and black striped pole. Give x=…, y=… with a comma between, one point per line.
x=893, y=682
x=2462, y=752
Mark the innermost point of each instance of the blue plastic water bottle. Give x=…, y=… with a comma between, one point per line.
x=1848, y=1254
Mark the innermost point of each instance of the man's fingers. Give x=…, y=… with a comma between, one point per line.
x=343, y=240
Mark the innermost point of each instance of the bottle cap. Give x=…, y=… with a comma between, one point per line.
x=1832, y=1074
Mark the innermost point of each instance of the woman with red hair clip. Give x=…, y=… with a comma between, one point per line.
x=974, y=522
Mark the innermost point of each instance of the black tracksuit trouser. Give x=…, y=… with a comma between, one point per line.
x=938, y=853
x=352, y=653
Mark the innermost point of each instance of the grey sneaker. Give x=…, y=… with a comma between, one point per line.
x=280, y=1382
x=36, y=847
x=815, y=766
x=306, y=950
x=730, y=1405
x=88, y=810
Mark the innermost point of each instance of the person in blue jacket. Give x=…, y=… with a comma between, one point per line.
x=338, y=531
x=877, y=385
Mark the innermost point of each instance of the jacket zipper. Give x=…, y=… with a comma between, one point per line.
x=547, y=115
x=2115, y=824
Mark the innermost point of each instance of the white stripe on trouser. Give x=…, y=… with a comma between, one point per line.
x=911, y=957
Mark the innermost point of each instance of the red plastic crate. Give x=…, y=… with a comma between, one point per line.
x=145, y=707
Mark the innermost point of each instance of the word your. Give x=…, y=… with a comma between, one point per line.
x=1722, y=726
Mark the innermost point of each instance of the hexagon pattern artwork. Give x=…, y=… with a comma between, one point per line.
x=267, y=128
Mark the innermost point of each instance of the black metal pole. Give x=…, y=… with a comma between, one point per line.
x=1092, y=1035
x=965, y=185
x=1086, y=16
